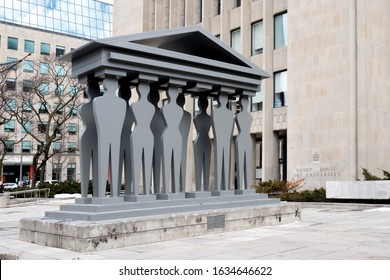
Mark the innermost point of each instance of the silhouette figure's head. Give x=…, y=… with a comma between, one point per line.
x=180, y=100
x=124, y=90
x=154, y=96
x=222, y=99
x=203, y=103
x=92, y=90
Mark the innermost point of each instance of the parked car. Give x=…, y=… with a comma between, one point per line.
x=51, y=182
x=10, y=186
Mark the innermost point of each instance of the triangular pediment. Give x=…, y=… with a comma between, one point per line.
x=191, y=44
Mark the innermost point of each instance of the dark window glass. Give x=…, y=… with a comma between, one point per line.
x=45, y=48
x=12, y=43
x=60, y=50
x=29, y=46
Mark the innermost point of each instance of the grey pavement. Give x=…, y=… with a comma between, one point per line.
x=326, y=232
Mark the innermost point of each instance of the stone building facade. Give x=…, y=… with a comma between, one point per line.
x=324, y=113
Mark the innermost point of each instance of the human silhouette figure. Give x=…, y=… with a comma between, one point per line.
x=109, y=111
x=141, y=139
x=157, y=125
x=125, y=156
x=184, y=128
x=243, y=144
x=202, y=146
x=222, y=123
x=88, y=141
x=172, y=141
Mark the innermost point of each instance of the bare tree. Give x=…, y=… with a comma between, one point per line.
x=47, y=99
x=8, y=74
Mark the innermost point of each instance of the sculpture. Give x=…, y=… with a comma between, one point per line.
x=222, y=124
x=202, y=146
x=88, y=141
x=172, y=141
x=109, y=111
x=243, y=144
x=141, y=139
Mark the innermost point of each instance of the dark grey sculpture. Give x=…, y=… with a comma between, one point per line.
x=172, y=142
x=125, y=156
x=202, y=146
x=109, y=111
x=181, y=61
x=88, y=141
x=222, y=124
x=141, y=139
x=157, y=125
x=184, y=127
x=243, y=144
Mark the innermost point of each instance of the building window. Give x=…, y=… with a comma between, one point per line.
x=280, y=89
x=56, y=171
x=26, y=146
x=9, y=126
x=12, y=43
x=29, y=46
x=236, y=3
x=26, y=127
x=9, y=145
x=10, y=83
x=73, y=91
x=28, y=66
x=42, y=127
x=72, y=128
x=60, y=50
x=71, y=172
x=43, y=88
x=44, y=68
x=45, y=48
x=217, y=7
x=43, y=108
x=257, y=37
x=27, y=107
x=27, y=85
x=199, y=10
x=57, y=146
x=10, y=105
x=258, y=159
x=58, y=108
x=280, y=39
x=257, y=102
x=73, y=110
x=60, y=70
x=72, y=147
x=236, y=40
x=12, y=63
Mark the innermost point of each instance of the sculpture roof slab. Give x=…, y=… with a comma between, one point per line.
x=189, y=53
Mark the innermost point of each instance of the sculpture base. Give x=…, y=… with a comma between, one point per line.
x=197, y=194
x=222, y=193
x=245, y=191
x=87, y=236
x=139, y=198
x=170, y=196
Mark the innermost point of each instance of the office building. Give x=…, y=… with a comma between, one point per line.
x=325, y=111
x=43, y=28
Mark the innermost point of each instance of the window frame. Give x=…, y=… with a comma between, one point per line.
x=283, y=94
x=260, y=49
x=277, y=46
x=12, y=43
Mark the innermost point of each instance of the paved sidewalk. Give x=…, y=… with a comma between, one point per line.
x=326, y=232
